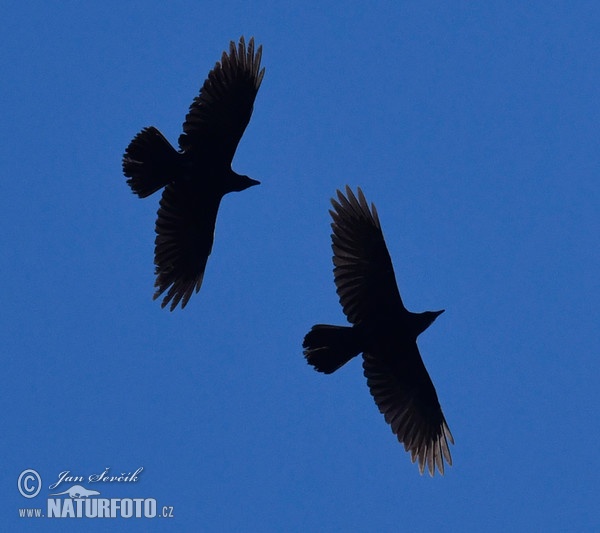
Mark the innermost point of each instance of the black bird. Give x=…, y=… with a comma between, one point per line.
x=383, y=330
x=197, y=176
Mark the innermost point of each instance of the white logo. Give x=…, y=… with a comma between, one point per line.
x=77, y=491
x=78, y=501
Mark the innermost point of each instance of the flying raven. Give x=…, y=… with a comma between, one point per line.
x=383, y=330
x=197, y=176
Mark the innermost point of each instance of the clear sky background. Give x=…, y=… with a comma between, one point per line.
x=473, y=126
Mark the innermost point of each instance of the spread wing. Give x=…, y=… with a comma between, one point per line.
x=184, y=236
x=363, y=270
x=404, y=393
x=219, y=115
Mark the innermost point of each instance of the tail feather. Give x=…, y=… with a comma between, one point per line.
x=328, y=348
x=150, y=162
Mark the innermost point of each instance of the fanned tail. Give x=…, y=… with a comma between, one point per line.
x=150, y=162
x=328, y=348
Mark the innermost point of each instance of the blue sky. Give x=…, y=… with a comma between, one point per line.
x=474, y=129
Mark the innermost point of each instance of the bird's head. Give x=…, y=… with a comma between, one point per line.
x=240, y=182
x=426, y=319
x=432, y=315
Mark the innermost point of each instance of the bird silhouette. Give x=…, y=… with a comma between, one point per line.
x=196, y=177
x=383, y=331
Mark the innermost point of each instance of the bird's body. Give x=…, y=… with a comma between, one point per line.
x=383, y=330
x=196, y=177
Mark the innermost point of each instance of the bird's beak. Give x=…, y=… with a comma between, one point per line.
x=253, y=182
x=438, y=313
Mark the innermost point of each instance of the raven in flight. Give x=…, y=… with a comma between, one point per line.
x=197, y=176
x=383, y=330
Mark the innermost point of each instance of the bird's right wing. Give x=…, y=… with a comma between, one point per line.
x=363, y=271
x=184, y=237
x=219, y=115
x=404, y=393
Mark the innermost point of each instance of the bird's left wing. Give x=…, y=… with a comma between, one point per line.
x=404, y=393
x=184, y=237
x=219, y=115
